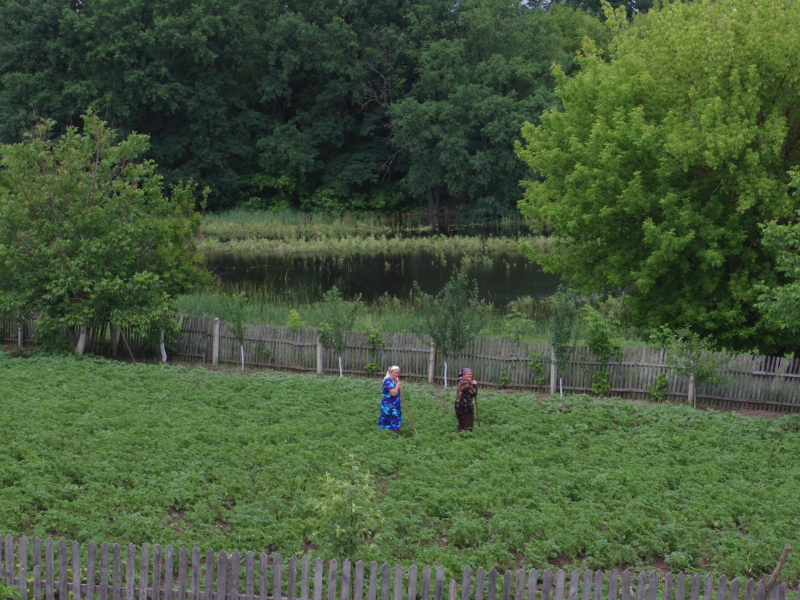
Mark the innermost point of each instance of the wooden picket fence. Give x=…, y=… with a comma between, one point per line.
x=69, y=571
x=751, y=382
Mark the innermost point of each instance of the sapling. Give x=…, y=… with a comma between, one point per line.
x=561, y=332
x=338, y=318
x=453, y=316
x=235, y=308
x=690, y=356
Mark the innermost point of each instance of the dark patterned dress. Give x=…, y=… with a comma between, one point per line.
x=465, y=404
x=391, y=411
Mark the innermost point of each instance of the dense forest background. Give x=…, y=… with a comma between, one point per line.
x=319, y=105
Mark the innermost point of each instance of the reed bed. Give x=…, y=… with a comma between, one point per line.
x=241, y=224
x=371, y=244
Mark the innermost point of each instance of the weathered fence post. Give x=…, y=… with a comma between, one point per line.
x=553, y=372
x=431, y=363
x=319, y=358
x=215, y=342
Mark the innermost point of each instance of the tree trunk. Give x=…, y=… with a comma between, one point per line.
x=692, y=392
x=434, y=207
x=83, y=340
x=114, y=340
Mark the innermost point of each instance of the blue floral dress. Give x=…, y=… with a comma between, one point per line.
x=391, y=411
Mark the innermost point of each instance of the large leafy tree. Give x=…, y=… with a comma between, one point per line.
x=475, y=87
x=665, y=159
x=87, y=235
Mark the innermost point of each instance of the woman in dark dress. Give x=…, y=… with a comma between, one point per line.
x=465, y=399
x=391, y=411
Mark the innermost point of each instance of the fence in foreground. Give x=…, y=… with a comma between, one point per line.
x=49, y=570
x=752, y=382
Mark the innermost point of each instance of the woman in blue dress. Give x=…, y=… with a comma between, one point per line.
x=391, y=411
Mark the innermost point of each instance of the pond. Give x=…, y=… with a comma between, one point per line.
x=501, y=277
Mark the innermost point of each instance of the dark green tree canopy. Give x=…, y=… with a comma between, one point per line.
x=664, y=161
x=325, y=105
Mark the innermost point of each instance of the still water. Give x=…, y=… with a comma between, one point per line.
x=501, y=277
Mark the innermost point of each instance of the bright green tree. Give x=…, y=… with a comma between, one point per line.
x=665, y=159
x=87, y=235
x=780, y=302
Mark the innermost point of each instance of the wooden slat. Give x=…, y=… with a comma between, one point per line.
x=426, y=584
x=50, y=568
x=492, y=595
x=277, y=576
x=439, y=584
x=547, y=584
x=318, y=575
x=249, y=576
x=76, y=571
x=37, y=568
x=263, y=584
x=183, y=568
x=466, y=583
x=130, y=575
x=156, y=572
x=292, y=589
x=196, y=566
x=358, y=590
x=304, y=578
x=480, y=583
x=233, y=582
x=613, y=582
x=346, y=584
x=333, y=568
x=412, y=583
x=574, y=582
x=561, y=577
x=9, y=560
x=209, y=588
x=398, y=583
x=222, y=575
x=104, y=569
x=22, y=560
x=169, y=572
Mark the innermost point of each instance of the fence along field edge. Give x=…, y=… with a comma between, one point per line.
x=752, y=382
x=50, y=570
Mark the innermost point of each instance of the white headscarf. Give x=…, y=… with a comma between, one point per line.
x=389, y=372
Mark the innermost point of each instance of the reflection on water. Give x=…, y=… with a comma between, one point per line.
x=501, y=278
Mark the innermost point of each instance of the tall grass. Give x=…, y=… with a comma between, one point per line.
x=525, y=319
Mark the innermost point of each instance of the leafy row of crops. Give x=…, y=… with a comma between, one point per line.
x=98, y=450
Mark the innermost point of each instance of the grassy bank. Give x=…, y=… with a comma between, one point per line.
x=171, y=455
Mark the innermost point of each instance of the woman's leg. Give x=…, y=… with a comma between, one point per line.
x=469, y=420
